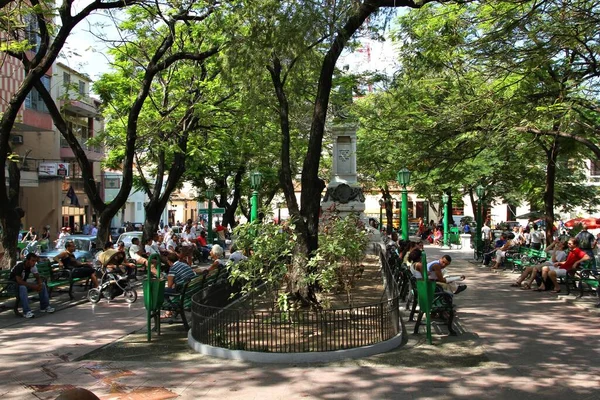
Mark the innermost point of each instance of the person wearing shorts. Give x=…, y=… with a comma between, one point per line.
x=559, y=269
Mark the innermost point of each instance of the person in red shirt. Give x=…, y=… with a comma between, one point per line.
x=574, y=259
x=203, y=246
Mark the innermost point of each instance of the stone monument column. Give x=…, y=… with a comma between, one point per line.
x=343, y=189
x=344, y=193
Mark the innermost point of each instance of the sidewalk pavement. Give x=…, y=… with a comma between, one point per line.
x=512, y=344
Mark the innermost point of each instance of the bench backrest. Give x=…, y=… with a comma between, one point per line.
x=45, y=269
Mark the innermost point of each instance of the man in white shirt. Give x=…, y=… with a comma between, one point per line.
x=536, y=237
x=187, y=238
x=136, y=253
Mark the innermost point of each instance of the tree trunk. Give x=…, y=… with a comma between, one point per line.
x=551, y=155
x=11, y=224
x=103, y=229
x=153, y=214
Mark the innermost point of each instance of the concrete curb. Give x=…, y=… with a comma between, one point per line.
x=287, y=358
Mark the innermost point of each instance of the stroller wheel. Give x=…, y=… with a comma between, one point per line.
x=130, y=295
x=94, y=295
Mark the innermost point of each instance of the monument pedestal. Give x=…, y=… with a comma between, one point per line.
x=344, y=194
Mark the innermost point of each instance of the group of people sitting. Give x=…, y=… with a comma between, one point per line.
x=563, y=257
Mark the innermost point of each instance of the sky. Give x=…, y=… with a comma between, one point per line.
x=85, y=52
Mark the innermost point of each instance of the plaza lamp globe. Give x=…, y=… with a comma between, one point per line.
x=255, y=180
x=479, y=190
x=403, y=177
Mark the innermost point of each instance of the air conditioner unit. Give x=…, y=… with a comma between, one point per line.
x=16, y=139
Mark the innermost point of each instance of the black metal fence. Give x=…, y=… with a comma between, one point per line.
x=238, y=328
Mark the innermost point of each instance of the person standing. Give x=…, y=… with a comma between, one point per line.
x=19, y=274
x=220, y=231
x=536, y=238
x=94, y=230
x=587, y=243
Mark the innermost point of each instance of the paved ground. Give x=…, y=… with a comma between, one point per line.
x=512, y=344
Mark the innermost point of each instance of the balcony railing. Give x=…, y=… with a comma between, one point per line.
x=96, y=149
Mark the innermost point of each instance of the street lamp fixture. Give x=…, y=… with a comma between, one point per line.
x=403, y=178
x=381, y=203
x=480, y=191
x=279, y=205
x=445, y=199
x=255, y=181
x=478, y=239
x=210, y=194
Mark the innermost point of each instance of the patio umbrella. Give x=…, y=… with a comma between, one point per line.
x=531, y=214
x=591, y=222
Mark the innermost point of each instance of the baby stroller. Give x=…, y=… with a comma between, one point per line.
x=114, y=281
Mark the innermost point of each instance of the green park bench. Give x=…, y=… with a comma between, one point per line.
x=56, y=277
x=180, y=304
x=582, y=278
x=442, y=305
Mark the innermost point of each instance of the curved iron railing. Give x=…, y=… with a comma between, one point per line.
x=237, y=328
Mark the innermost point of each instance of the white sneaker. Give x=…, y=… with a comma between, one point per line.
x=29, y=314
x=48, y=310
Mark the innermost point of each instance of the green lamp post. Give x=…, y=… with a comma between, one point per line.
x=255, y=181
x=403, y=179
x=480, y=191
x=279, y=205
x=210, y=194
x=445, y=198
x=381, y=202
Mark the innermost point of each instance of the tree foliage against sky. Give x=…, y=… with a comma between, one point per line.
x=501, y=93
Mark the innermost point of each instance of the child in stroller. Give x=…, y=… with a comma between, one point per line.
x=114, y=279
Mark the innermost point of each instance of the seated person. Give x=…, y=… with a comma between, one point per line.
x=30, y=235
x=151, y=247
x=137, y=254
x=179, y=274
x=172, y=243
x=203, y=246
x=217, y=255
x=67, y=260
x=236, y=255
x=557, y=249
x=19, y=274
x=501, y=252
x=575, y=257
x=437, y=236
x=487, y=257
x=435, y=273
x=115, y=260
x=414, y=262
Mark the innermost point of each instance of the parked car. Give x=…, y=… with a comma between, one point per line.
x=126, y=238
x=85, y=248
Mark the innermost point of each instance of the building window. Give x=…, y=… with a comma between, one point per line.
x=79, y=127
x=82, y=88
x=112, y=183
x=32, y=32
x=34, y=101
x=139, y=206
x=75, y=170
x=66, y=79
x=594, y=167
